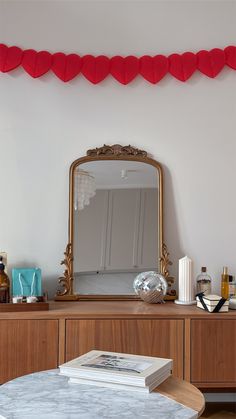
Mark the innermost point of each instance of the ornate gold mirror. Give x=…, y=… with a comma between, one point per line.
x=115, y=224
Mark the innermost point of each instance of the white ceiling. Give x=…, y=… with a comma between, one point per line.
x=108, y=174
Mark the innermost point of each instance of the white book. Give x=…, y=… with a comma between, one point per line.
x=116, y=367
x=146, y=389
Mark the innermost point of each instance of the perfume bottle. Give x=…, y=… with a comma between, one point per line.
x=232, y=286
x=225, y=283
x=204, y=282
x=4, y=284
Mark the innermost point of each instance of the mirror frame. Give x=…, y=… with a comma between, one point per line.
x=113, y=152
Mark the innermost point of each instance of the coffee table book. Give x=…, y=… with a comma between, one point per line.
x=112, y=369
x=146, y=389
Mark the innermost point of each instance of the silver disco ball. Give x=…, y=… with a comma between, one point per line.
x=150, y=286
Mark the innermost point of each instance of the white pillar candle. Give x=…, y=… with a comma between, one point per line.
x=186, y=286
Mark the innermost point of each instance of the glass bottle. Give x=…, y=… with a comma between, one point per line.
x=225, y=283
x=232, y=286
x=4, y=284
x=204, y=282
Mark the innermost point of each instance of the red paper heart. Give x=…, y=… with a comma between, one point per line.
x=95, y=69
x=10, y=58
x=211, y=62
x=124, y=69
x=153, y=69
x=66, y=67
x=36, y=63
x=230, y=56
x=182, y=66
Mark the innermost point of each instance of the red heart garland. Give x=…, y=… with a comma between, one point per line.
x=66, y=67
x=124, y=69
x=153, y=69
x=211, y=62
x=36, y=63
x=10, y=58
x=182, y=66
x=230, y=56
x=95, y=69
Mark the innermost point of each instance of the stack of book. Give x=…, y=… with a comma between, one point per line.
x=117, y=370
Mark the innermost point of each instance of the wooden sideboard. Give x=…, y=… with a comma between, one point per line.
x=202, y=345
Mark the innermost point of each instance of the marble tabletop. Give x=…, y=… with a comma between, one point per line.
x=48, y=395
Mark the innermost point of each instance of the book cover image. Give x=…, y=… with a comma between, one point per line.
x=118, y=363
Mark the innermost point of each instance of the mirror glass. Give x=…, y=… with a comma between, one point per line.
x=115, y=229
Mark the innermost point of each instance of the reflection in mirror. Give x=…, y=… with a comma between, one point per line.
x=115, y=225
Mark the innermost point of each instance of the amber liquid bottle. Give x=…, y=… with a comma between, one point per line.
x=4, y=285
x=225, y=283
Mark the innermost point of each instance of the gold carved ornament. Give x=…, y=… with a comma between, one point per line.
x=165, y=263
x=66, y=281
x=116, y=150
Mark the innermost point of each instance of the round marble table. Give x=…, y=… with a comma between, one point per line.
x=48, y=395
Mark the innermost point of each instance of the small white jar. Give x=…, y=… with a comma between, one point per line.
x=17, y=299
x=232, y=303
x=31, y=299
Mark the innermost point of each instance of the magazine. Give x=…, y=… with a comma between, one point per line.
x=118, y=368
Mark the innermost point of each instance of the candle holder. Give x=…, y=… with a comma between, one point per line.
x=186, y=286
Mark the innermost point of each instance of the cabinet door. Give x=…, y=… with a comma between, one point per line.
x=213, y=349
x=27, y=346
x=90, y=234
x=161, y=338
x=148, y=230
x=122, y=232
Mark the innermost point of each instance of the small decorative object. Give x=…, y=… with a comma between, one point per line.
x=186, y=287
x=17, y=299
x=4, y=284
x=150, y=286
x=232, y=303
x=3, y=255
x=212, y=303
x=123, y=69
x=31, y=299
x=26, y=281
x=204, y=282
x=232, y=286
x=225, y=283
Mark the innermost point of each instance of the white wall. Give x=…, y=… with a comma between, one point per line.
x=189, y=127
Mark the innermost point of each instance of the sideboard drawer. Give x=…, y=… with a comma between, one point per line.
x=213, y=349
x=161, y=338
x=27, y=346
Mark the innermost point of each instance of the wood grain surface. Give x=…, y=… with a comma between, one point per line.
x=183, y=392
x=213, y=351
x=119, y=309
x=202, y=344
x=21, y=307
x=160, y=338
x=27, y=346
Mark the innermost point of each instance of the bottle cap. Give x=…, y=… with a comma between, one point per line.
x=204, y=269
x=2, y=266
x=225, y=270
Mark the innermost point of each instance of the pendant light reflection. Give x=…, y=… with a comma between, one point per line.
x=84, y=189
